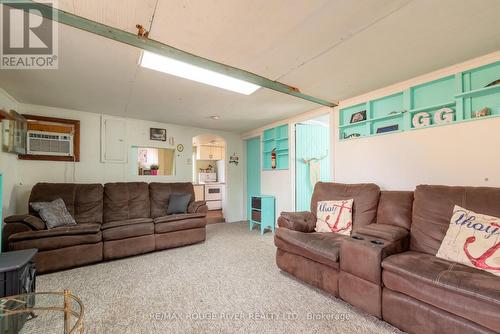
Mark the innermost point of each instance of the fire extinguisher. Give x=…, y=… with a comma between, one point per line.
x=273, y=159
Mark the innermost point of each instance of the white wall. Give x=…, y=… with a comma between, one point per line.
x=457, y=154
x=90, y=169
x=461, y=154
x=8, y=162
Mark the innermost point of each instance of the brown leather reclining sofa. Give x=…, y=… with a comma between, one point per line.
x=113, y=221
x=388, y=267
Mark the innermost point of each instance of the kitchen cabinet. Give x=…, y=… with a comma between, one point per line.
x=205, y=152
x=199, y=192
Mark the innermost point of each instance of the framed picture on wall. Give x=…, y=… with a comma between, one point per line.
x=158, y=134
x=358, y=116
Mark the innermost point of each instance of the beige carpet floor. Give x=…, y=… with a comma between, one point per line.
x=228, y=284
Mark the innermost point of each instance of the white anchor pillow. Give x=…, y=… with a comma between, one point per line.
x=472, y=239
x=334, y=216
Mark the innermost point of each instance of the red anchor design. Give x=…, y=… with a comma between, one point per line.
x=334, y=228
x=480, y=261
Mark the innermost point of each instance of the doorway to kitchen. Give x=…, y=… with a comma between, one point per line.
x=209, y=174
x=312, y=163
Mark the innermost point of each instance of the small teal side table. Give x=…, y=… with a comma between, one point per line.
x=262, y=212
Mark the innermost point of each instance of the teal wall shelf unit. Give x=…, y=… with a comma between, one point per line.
x=465, y=96
x=263, y=213
x=275, y=139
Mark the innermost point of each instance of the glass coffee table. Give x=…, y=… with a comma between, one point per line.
x=43, y=312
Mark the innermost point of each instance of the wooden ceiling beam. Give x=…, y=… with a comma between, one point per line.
x=159, y=48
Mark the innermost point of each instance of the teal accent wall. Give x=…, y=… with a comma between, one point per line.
x=253, y=171
x=311, y=141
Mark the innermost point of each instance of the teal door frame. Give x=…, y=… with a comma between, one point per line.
x=252, y=170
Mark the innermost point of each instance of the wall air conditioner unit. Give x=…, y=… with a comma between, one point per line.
x=49, y=143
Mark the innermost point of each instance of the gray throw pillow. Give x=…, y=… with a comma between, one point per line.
x=53, y=213
x=178, y=203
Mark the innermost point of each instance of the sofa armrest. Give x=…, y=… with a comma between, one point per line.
x=304, y=221
x=362, y=255
x=383, y=231
x=198, y=207
x=32, y=222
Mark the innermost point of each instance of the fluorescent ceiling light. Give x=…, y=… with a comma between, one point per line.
x=184, y=70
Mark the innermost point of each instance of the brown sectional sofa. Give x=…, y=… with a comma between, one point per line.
x=113, y=221
x=388, y=266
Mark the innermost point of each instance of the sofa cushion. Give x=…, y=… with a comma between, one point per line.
x=126, y=200
x=160, y=195
x=383, y=231
x=464, y=291
x=320, y=247
x=395, y=208
x=127, y=231
x=178, y=225
x=178, y=203
x=433, y=208
x=58, y=231
x=83, y=201
x=366, y=197
x=182, y=216
x=125, y=222
x=53, y=213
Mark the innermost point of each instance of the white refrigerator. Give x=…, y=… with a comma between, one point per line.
x=221, y=171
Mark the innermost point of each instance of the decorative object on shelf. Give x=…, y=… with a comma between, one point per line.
x=421, y=119
x=358, y=116
x=171, y=141
x=444, y=115
x=388, y=128
x=494, y=83
x=157, y=134
x=234, y=159
x=154, y=169
x=273, y=158
x=352, y=135
x=441, y=116
x=397, y=112
x=481, y=113
x=180, y=148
